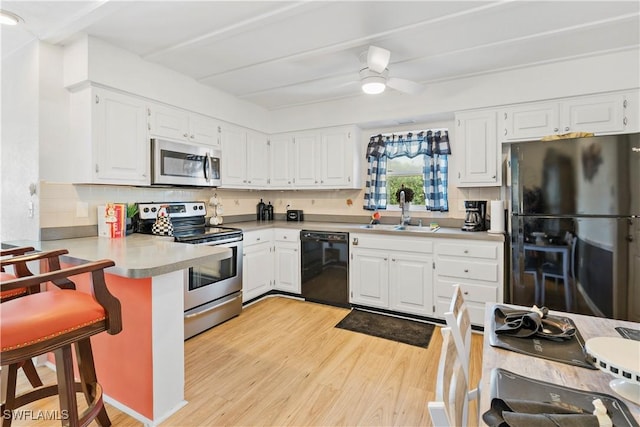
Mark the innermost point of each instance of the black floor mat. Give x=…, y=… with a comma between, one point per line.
x=388, y=327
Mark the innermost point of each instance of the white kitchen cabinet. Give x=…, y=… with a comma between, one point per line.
x=394, y=273
x=287, y=260
x=180, y=125
x=476, y=149
x=599, y=114
x=327, y=158
x=257, y=264
x=245, y=159
x=108, y=143
x=477, y=266
x=281, y=161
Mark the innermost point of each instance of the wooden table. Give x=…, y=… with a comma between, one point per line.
x=547, y=370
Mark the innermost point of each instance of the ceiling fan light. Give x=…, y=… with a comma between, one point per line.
x=8, y=18
x=373, y=85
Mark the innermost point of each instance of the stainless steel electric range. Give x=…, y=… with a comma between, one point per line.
x=212, y=292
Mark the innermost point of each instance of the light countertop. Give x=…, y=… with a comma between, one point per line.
x=136, y=256
x=387, y=229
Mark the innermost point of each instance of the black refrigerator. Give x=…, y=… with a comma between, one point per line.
x=573, y=207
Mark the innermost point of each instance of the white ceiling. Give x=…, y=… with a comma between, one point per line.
x=279, y=54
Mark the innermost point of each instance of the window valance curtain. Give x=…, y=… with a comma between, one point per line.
x=432, y=144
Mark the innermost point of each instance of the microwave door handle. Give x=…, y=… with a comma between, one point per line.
x=207, y=165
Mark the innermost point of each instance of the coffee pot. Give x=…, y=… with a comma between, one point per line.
x=476, y=214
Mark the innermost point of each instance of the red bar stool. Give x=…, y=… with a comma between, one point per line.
x=51, y=322
x=19, y=262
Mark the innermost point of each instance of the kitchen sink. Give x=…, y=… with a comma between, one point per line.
x=398, y=227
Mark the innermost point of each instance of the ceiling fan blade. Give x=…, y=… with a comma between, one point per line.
x=406, y=86
x=378, y=58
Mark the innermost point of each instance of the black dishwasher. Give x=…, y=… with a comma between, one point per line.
x=325, y=267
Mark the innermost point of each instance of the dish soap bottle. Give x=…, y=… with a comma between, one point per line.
x=269, y=212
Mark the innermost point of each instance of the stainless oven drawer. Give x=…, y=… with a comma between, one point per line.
x=211, y=314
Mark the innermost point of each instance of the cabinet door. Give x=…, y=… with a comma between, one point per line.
x=287, y=267
x=120, y=138
x=204, y=130
x=234, y=157
x=257, y=270
x=334, y=159
x=307, y=152
x=530, y=121
x=167, y=122
x=257, y=160
x=478, y=148
x=599, y=114
x=281, y=156
x=369, y=278
x=411, y=283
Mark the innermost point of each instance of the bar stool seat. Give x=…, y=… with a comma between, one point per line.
x=52, y=321
x=10, y=293
x=40, y=317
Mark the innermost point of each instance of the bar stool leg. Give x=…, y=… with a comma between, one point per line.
x=88, y=378
x=66, y=386
x=32, y=375
x=9, y=387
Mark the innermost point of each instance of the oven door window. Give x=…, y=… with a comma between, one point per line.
x=174, y=163
x=209, y=274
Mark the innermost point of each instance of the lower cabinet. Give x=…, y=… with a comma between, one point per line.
x=287, y=260
x=393, y=273
x=257, y=264
x=477, y=266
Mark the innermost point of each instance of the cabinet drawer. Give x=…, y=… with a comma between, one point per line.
x=487, y=271
x=470, y=291
x=476, y=310
x=476, y=250
x=286, y=235
x=405, y=244
x=258, y=236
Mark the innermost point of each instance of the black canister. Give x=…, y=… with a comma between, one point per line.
x=260, y=211
x=269, y=212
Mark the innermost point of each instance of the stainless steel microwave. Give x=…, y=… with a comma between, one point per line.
x=179, y=163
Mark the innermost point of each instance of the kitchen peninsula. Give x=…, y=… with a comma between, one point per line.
x=141, y=369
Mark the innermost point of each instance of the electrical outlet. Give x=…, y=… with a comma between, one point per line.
x=82, y=210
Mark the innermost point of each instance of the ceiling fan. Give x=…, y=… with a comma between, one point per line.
x=374, y=77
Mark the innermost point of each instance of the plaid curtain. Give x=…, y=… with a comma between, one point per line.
x=436, y=172
x=433, y=145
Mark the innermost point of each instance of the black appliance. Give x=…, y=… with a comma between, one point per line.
x=573, y=207
x=212, y=292
x=295, y=215
x=476, y=215
x=325, y=267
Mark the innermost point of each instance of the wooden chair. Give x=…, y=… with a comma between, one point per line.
x=52, y=321
x=450, y=409
x=19, y=263
x=459, y=323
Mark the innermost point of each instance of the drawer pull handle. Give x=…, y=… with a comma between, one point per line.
x=466, y=292
x=466, y=251
x=466, y=270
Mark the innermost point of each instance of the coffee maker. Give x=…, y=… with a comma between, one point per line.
x=475, y=218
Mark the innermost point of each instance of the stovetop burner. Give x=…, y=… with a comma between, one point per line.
x=208, y=234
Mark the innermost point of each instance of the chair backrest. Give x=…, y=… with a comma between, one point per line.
x=574, y=243
x=459, y=321
x=451, y=405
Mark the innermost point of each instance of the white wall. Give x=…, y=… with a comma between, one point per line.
x=20, y=143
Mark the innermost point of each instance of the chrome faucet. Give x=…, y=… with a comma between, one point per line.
x=404, y=214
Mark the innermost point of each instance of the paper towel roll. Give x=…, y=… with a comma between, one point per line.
x=497, y=216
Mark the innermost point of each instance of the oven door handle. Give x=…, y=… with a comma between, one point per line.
x=200, y=313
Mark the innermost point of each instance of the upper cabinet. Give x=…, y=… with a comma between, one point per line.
x=476, y=149
x=108, y=142
x=181, y=125
x=281, y=163
x=245, y=158
x=601, y=114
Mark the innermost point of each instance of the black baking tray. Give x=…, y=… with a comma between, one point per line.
x=570, y=351
x=507, y=385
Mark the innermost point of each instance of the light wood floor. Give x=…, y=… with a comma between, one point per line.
x=282, y=363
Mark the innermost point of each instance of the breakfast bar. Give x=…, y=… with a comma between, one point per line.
x=141, y=370
x=542, y=370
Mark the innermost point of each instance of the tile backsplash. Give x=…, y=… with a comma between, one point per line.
x=66, y=205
